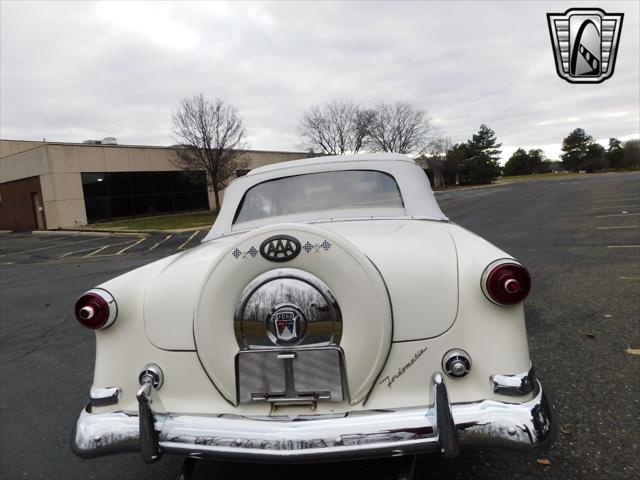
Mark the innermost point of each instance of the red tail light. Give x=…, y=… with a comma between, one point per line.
x=96, y=309
x=506, y=282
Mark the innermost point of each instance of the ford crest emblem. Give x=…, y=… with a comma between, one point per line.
x=287, y=325
x=280, y=248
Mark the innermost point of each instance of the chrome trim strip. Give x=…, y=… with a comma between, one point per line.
x=101, y=397
x=286, y=356
x=514, y=385
x=356, y=434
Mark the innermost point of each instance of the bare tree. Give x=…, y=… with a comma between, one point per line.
x=399, y=127
x=212, y=138
x=439, y=146
x=335, y=128
x=437, y=154
x=362, y=124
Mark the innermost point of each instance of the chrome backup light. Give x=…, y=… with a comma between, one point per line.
x=152, y=374
x=456, y=363
x=505, y=282
x=96, y=309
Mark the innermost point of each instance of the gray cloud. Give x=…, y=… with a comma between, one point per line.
x=72, y=71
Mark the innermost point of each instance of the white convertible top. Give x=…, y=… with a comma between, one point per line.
x=414, y=186
x=324, y=160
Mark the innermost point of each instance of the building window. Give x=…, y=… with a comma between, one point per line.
x=112, y=195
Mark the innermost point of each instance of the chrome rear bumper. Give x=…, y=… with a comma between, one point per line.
x=358, y=434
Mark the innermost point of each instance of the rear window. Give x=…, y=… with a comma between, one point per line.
x=343, y=193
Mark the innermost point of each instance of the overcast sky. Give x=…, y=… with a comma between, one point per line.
x=79, y=70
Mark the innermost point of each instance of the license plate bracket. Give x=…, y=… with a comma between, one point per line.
x=304, y=375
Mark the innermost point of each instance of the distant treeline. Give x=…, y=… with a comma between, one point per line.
x=212, y=137
x=476, y=161
x=580, y=153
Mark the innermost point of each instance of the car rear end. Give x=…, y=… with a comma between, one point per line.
x=297, y=342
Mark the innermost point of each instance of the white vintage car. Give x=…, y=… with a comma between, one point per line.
x=332, y=312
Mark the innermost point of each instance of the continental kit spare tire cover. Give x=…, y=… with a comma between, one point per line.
x=353, y=281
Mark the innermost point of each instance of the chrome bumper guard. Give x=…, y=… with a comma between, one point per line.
x=327, y=437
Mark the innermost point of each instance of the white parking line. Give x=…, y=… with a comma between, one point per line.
x=624, y=198
x=92, y=248
x=621, y=206
x=97, y=251
x=619, y=215
x=11, y=240
x=616, y=228
x=188, y=240
x=623, y=246
x=160, y=243
x=131, y=246
x=50, y=246
x=629, y=278
x=628, y=193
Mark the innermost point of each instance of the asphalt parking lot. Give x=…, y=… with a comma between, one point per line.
x=46, y=247
x=579, y=237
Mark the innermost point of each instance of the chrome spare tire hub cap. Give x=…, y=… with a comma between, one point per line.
x=287, y=307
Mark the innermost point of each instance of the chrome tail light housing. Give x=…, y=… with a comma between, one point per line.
x=505, y=282
x=96, y=309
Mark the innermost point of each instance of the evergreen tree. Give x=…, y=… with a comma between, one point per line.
x=575, y=149
x=631, y=154
x=518, y=164
x=545, y=166
x=525, y=163
x=536, y=159
x=615, y=154
x=595, y=159
x=483, y=153
x=454, y=162
x=485, y=142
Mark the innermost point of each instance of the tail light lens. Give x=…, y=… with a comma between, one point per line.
x=96, y=309
x=506, y=282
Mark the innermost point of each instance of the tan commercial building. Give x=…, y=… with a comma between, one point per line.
x=51, y=185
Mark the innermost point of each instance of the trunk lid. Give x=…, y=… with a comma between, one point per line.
x=418, y=262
